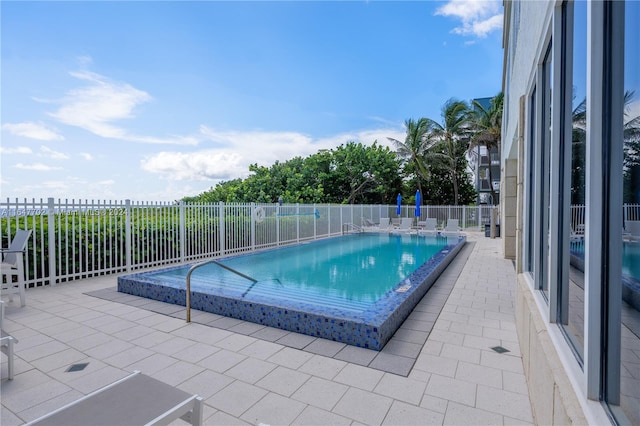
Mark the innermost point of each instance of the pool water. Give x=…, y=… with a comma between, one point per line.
x=355, y=289
x=630, y=257
x=348, y=273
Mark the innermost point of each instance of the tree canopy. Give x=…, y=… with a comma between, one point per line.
x=431, y=158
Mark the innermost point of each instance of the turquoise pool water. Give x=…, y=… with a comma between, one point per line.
x=630, y=257
x=349, y=273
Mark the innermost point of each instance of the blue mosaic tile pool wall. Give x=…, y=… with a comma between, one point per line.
x=371, y=329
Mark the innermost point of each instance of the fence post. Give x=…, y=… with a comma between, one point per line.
x=51, y=235
x=464, y=217
x=253, y=226
x=298, y=222
x=127, y=234
x=315, y=231
x=278, y=224
x=222, y=228
x=182, y=230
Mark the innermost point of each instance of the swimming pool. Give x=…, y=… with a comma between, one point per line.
x=356, y=289
x=630, y=269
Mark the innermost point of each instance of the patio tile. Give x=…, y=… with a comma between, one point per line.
x=236, y=398
x=173, y=345
x=250, y=370
x=460, y=353
x=108, y=349
x=479, y=374
x=235, y=342
x=196, y=352
x=40, y=351
x=402, y=413
x=283, y=380
x=313, y=416
x=324, y=367
x=246, y=328
x=515, y=382
x=273, y=409
x=401, y=388
x=295, y=340
x=398, y=347
x=261, y=349
x=133, y=333
x=505, y=403
x=20, y=401
x=220, y=418
x=356, y=355
x=289, y=357
x=325, y=347
x=128, y=357
x=222, y=360
x=202, y=333
x=395, y=364
x=452, y=389
x=458, y=414
x=433, y=403
x=320, y=393
x=48, y=406
x=97, y=379
x=205, y=384
x=178, y=373
x=363, y=406
x=153, y=363
x=411, y=336
x=57, y=360
x=501, y=361
x=224, y=323
x=270, y=334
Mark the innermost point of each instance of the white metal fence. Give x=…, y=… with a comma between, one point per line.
x=79, y=239
x=630, y=212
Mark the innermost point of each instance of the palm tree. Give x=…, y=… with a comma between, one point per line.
x=448, y=142
x=487, y=131
x=413, y=148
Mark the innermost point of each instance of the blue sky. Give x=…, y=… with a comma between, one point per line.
x=159, y=100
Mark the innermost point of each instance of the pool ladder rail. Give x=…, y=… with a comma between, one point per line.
x=351, y=227
x=203, y=263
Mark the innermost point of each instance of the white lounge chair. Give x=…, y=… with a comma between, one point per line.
x=12, y=266
x=385, y=224
x=452, y=229
x=134, y=400
x=429, y=226
x=6, y=343
x=405, y=225
x=631, y=230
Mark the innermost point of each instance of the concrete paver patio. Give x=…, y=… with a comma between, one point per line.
x=248, y=374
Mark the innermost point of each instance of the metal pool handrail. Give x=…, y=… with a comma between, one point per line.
x=196, y=266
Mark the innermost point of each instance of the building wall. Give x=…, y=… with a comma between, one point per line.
x=579, y=369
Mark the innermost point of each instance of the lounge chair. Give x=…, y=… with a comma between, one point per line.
x=13, y=266
x=631, y=230
x=6, y=343
x=385, y=224
x=405, y=225
x=429, y=226
x=452, y=229
x=134, y=400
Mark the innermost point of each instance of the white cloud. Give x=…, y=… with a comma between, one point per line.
x=32, y=130
x=103, y=102
x=240, y=149
x=36, y=166
x=86, y=156
x=479, y=17
x=18, y=150
x=48, y=152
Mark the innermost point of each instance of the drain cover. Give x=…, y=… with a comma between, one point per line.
x=77, y=367
x=500, y=349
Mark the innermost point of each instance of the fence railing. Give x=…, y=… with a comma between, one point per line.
x=630, y=212
x=80, y=238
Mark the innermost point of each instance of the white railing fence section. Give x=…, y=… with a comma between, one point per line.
x=74, y=239
x=630, y=212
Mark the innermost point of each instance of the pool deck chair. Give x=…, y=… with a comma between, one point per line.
x=385, y=224
x=134, y=400
x=13, y=266
x=452, y=229
x=429, y=226
x=631, y=230
x=405, y=225
x=6, y=343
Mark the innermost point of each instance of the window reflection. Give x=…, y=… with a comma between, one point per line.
x=630, y=328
